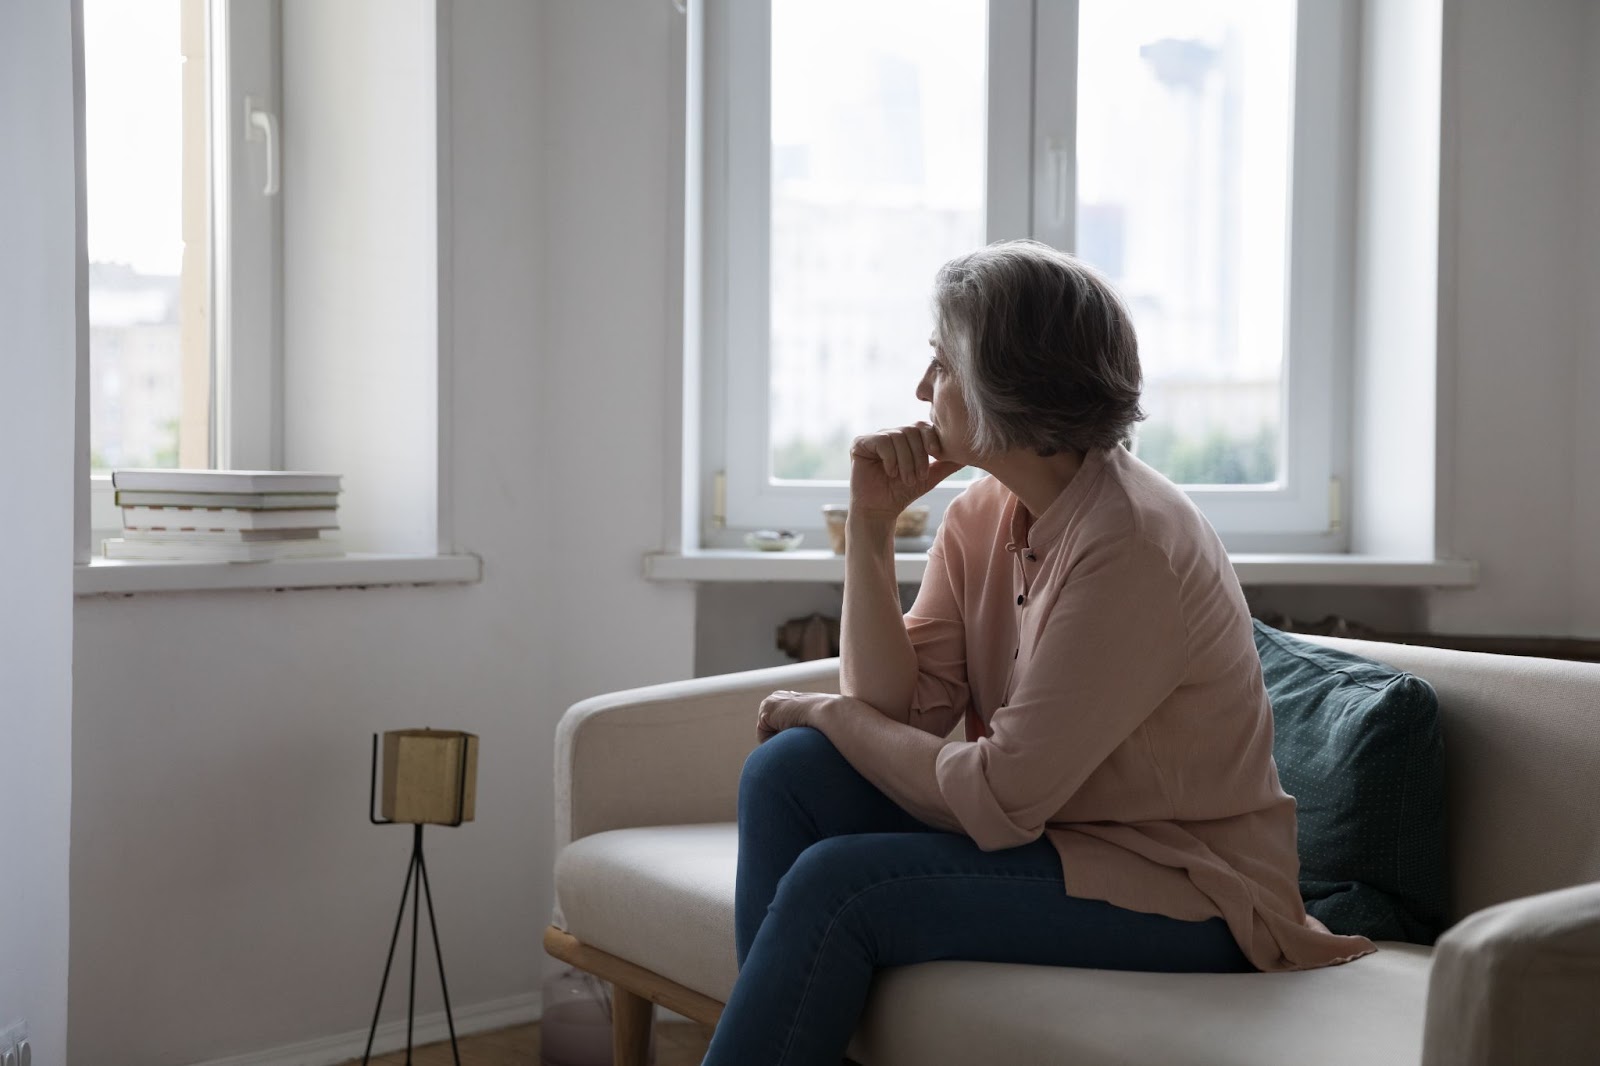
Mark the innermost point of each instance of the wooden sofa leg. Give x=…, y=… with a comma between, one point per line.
x=631, y=1015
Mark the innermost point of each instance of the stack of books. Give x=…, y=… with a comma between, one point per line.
x=236, y=516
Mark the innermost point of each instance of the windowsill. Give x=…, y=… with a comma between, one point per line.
x=718, y=564
x=121, y=577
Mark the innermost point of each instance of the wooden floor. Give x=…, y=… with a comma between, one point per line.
x=677, y=1044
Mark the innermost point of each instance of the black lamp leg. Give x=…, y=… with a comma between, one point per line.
x=416, y=914
x=418, y=869
x=427, y=893
x=389, y=962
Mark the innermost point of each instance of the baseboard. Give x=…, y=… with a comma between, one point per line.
x=429, y=1028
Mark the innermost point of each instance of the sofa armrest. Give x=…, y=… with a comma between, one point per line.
x=665, y=754
x=1518, y=982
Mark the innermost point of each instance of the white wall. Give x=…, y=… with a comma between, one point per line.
x=1586, y=390
x=608, y=273
x=360, y=263
x=40, y=349
x=1518, y=330
x=1518, y=81
x=736, y=624
x=228, y=894
x=1394, y=438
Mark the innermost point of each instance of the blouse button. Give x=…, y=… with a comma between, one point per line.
x=1014, y=652
x=1020, y=598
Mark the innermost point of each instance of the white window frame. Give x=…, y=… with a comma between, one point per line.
x=247, y=238
x=1032, y=50
x=246, y=252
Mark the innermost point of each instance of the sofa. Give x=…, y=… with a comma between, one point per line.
x=645, y=797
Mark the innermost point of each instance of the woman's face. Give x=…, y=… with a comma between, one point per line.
x=948, y=413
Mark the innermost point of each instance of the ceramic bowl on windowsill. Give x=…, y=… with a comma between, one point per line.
x=773, y=540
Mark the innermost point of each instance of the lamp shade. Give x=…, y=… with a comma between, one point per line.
x=430, y=776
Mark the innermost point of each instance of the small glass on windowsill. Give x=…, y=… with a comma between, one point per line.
x=910, y=528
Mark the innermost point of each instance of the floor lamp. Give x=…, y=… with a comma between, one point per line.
x=430, y=777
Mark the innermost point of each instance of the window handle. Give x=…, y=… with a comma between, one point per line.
x=262, y=125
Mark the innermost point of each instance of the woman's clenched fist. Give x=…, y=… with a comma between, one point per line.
x=891, y=469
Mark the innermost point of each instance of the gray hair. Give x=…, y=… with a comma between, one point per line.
x=1042, y=348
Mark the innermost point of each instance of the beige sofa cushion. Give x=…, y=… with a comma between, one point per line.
x=662, y=897
x=1367, y=1012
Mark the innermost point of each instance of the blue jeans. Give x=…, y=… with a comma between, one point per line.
x=836, y=880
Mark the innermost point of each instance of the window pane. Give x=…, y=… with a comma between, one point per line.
x=1184, y=120
x=877, y=180
x=135, y=120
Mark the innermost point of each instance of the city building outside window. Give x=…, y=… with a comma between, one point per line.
x=148, y=224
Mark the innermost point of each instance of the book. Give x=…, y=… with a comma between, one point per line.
x=189, y=551
x=220, y=518
x=244, y=501
x=219, y=536
x=162, y=480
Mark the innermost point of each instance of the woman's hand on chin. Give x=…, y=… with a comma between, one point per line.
x=891, y=469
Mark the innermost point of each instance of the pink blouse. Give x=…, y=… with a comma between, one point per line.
x=1107, y=651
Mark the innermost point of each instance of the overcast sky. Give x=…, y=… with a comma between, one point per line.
x=133, y=72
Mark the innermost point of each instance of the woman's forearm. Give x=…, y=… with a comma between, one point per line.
x=902, y=763
x=877, y=664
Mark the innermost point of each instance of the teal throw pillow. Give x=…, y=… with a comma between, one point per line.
x=1358, y=746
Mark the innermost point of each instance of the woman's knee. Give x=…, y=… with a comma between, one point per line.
x=833, y=887
x=799, y=753
x=827, y=868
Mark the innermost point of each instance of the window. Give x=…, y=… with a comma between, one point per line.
x=149, y=397
x=181, y=176
x=1191, y=149
x=323, y=333
x=1191, y=125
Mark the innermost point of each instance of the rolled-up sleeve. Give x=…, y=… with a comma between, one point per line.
x=938, y=636
x=1112, y=650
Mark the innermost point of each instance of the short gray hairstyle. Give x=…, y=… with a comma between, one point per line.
x=1042, y=348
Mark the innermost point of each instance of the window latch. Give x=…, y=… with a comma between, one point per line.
x=262, y=125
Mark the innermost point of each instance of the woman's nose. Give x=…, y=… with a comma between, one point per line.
x=925, y=390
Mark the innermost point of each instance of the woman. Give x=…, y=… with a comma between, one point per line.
x=1115, y=802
